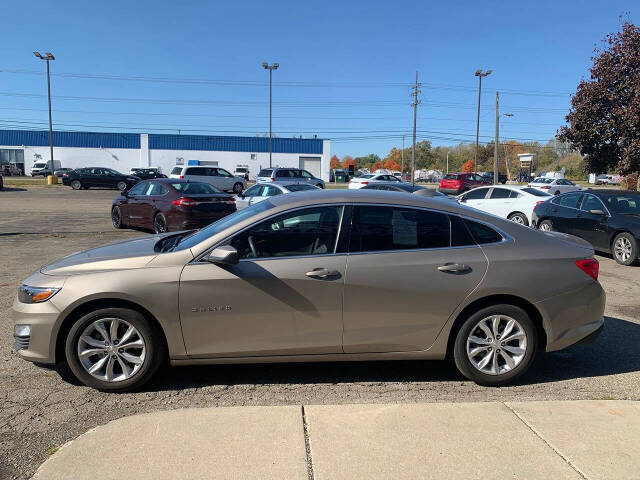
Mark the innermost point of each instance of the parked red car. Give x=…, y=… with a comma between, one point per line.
x=457, y=183
x=170, y=204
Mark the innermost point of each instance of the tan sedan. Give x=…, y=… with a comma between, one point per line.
x=319, y=276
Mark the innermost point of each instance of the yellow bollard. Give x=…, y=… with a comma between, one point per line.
x=52, y=180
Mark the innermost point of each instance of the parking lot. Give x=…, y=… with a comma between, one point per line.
x=40, y=412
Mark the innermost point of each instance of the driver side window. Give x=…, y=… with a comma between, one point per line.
x=310, y=231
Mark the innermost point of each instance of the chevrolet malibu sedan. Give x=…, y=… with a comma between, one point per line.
x=316, y=276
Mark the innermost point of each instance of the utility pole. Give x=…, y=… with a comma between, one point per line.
x=479, y=73
x=271, y=68
x=402, y=154
x=447, y=161
x=415, y=116
x=49, y=56
x=495, y=146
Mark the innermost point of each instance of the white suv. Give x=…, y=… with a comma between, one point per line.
x=215, y=176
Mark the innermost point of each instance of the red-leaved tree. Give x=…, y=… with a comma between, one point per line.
x=467, y=166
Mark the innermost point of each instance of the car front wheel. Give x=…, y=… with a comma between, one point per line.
x=625, y=249
x=545, y=226
x=116, y=217
x=76, y=184
x=495, y=345
x=113, y=349
x=237, y=188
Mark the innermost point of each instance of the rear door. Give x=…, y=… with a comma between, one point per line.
x=225, y=179
x=500, y=202
x=396, y=298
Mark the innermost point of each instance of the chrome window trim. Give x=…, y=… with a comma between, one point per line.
x=557, y=197
x=506, y=238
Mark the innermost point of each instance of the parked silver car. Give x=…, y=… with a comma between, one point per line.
x=215, y=176
x=293, y=175
x=316, y=276
x=261, y=191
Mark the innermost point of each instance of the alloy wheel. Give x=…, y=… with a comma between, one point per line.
x=517, y=219
x=121, y=186
x=159, y=224
x=545, y=226
x=622, y=249
x=115, y=217
x=76, y=185
x=496, y=344
x=111, y=349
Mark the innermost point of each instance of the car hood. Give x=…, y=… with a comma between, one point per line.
x=124, y=255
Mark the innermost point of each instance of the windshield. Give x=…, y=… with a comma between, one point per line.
x=222, y=224
x=628, y=204
x=176, y=171
x=300, y=187
x=265, y=172
x=536, y=192
x=241, y=169
x=39, y=165
x=195, y=188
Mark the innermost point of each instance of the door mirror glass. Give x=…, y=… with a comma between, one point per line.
x=226, y=255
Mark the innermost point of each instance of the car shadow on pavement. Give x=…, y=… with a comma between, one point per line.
x=13, y=189
x=615, y=351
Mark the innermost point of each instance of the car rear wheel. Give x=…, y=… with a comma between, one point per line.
x=545, y=226
x=159, y=223
x=625, y=249
x=122, y=186
x=495, y=345
x=320, y=185
x=557, y=192
x=114, y=349
x=116, y=217
x=237, y=188
x=519, y=217
x=76, y=184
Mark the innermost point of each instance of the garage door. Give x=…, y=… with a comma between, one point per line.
x=311, y=165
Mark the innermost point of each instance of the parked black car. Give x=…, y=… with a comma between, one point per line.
x=502, y=178
x=99, y=177
x=608, y=219
x=147, y=173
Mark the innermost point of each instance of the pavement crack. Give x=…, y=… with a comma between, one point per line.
x=539, y=435
x=307, y=444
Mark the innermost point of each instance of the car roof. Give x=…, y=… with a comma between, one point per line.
x=173, y=180
x=609, y=191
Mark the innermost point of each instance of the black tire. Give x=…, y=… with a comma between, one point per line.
x=116, y=217
x=154, y=349
x=122, y=186
x=160, y=223
x=625, y=244
x=465, y=366
x=519, y=217
x=557, y=192
x=320, y=185
x=76, y=184
x=237, y=188
x=548, y=226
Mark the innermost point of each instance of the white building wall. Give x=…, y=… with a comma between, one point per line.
x=123, y=160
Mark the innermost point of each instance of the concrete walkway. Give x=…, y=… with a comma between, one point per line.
x=529, y=440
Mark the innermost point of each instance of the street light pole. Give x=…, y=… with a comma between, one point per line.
x=479, y=73
x=49, y=56
x=271, y=68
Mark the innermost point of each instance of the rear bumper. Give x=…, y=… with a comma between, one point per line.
x=573, y=317
x=450, y=191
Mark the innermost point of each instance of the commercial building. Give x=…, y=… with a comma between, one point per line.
x=123, y=151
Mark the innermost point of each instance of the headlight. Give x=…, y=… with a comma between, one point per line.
x=27, y=294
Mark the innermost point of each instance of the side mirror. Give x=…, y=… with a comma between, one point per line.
x=226, y=255
x=243, y=196
x=596, y=212
x=125, y=193
x=462, y=199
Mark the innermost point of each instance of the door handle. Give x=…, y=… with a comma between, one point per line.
x=322, y=273
x=454, y=267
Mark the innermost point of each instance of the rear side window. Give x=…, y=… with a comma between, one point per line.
x=536, y=192
x=376, y=228
x=176, y=171
x=482, y=233
x=570, y=200
x=265, y=172
x=500, y=193
x=196, y=171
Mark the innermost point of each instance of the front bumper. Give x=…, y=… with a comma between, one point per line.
x=42, y=317
x=573, y=317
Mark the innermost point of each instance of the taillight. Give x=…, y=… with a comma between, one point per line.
x=537, y=203
x=185, y=202
x=545, y=187
x=181, y=176
x=273, y=179
x=364, y=183
x=590, y=266
x=230, y=201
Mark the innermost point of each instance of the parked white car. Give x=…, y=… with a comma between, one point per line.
x=216, y=176
x=507, y=201
x=555, y=186
x=262, y=191
x=361, y=181
x=608, y=180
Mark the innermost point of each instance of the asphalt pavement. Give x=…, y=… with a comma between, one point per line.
x=39, y=411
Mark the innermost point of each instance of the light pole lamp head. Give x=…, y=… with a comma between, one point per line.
x=480, y=73
x=275, y=66
x=38, y=54
x=265, y=65
x=50, y=56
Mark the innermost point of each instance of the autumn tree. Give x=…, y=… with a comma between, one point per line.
x=468, y=166
x=391, y=165
x=349, y=161
x=604, y=120
x=335, y=162
x=376, y=166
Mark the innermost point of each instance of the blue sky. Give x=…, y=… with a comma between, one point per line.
x=345, y=67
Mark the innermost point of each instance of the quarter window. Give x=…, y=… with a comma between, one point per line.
x=482, y=233
x=310, y=231
x=376, y=228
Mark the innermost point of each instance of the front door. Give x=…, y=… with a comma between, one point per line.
x=284, y=297
x=565, y=212
x=476, y=198
x=591, y=226
x=137, y=198
x=396, y=298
